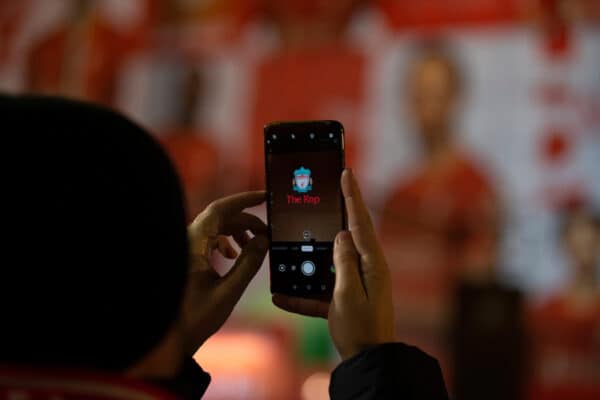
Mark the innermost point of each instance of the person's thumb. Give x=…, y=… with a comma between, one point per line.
x=347, y=268
x=247, y=264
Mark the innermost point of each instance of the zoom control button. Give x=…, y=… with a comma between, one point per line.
x=308, y=268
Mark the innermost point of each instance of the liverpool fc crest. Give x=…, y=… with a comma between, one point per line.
x=302, y=182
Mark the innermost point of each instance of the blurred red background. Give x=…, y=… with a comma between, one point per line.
x=504, y=188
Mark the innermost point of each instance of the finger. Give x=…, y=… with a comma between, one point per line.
x=201, y=246
x=234, y=204
x=297, y=305
x=359, y=221
x=236, y=280
x=242, y=239
x=347, y=268
x=226, y=248
x=243, y=222
x=214, y=218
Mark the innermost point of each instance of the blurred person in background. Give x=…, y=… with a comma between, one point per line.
x=439, y=225
x=195, y=156
x=220, y=23
x=106, y=288
x=81, y=54
x=308, y=23
x=313, y=73
x=566, y=327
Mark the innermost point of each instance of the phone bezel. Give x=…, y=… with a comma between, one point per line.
x=303, y=142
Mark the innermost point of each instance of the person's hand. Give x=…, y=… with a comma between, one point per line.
x=360, y=313
x=210, y=298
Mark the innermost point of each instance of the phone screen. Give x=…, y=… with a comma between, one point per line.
x=304, y=162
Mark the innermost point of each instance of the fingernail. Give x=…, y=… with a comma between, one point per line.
x=349, y=173
x=342, y=237
x=354, y=182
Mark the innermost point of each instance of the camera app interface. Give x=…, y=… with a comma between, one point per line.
x=306, y=203
x=305, y=214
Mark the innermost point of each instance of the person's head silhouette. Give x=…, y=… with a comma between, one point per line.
x=95, y=249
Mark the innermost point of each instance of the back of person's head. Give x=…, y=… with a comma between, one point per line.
x=94, y=257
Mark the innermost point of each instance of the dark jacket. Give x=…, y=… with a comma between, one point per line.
x=388, y=371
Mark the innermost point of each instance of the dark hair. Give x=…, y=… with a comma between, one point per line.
x=96, y=251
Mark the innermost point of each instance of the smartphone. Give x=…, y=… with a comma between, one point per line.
x=305, y=207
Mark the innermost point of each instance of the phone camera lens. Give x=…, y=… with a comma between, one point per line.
x=331, y=136
x=274, y=136
x=312, y=135
x=293, y=136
